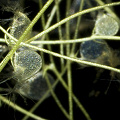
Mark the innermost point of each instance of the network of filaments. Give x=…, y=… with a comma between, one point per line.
x=27, y=63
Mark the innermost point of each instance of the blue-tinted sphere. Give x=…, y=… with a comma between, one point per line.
x=92, y=49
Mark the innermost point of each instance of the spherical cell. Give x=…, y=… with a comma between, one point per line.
x=26, y=64
x=91, y=50
x=35, y=87
x=106, y=25
x=18, y=26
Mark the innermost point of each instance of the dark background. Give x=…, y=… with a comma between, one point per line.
x=91, y=91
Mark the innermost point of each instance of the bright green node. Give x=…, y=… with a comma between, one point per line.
x=26, y=63
x=106, y=25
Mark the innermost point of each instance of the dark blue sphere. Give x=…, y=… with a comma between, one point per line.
x=92, y=49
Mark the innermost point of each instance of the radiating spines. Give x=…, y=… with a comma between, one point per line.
x=11, y=5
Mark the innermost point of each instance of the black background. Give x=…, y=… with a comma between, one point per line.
x=91, y=93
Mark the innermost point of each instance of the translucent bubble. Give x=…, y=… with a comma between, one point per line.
x=106, y=25
x=19, y=24
x=35, y=87
x=26, y=63
x=95, y=51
